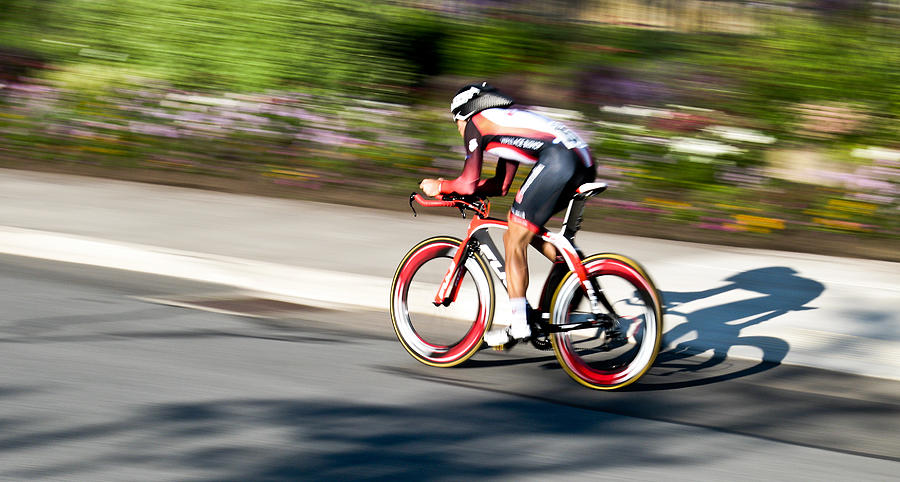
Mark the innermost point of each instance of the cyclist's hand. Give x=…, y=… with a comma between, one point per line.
x=431, y=187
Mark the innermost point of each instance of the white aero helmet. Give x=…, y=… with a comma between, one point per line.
x=475, y=98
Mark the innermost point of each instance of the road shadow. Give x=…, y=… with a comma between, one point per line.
x=718, y=328
x=703, y=359
x=331, y=439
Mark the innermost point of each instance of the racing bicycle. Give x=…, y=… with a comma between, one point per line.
x=600, y=314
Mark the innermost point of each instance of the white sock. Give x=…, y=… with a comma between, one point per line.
x=519, y=312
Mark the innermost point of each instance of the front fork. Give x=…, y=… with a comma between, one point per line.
x=449, y=288
x=478, y=241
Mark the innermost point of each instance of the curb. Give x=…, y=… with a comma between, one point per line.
x=302, y=285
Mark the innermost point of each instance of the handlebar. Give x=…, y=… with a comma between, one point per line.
x=479, y=205
x=432, y=203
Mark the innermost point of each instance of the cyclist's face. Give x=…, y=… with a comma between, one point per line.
x=461, y=125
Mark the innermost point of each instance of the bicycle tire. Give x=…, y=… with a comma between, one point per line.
x=589, y=356
x=441, y=336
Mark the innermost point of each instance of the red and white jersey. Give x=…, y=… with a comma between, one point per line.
x=520, y=135
x=517, y=137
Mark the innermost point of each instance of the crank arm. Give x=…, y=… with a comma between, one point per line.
x=583, y=321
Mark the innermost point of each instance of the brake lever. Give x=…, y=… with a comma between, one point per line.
x=412, y=198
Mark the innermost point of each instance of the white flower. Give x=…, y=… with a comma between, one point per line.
x=740, y=135
x=702, y=147
x=637, y=111
x=877, y=154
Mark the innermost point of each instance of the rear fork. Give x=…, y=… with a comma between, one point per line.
x=611, y=319
x=602, y=316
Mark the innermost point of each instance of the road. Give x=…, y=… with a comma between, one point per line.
x=102, y=379
x=840, y=314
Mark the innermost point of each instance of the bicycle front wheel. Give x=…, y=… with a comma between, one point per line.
x=441, y=335
x=613, y=356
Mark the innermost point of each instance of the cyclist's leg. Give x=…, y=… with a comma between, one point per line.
x=546, y=191
x=515, y=244
x=535, y=203
x=583, y=174
x=548, y=250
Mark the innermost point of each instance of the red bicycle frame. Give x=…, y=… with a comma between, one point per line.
x=477, y=230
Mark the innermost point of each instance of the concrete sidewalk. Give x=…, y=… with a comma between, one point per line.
x=835, y=313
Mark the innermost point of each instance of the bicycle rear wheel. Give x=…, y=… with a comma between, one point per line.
x=441, y=335
x=610, y=357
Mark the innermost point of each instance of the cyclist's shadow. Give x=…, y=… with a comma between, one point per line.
x=718, y=328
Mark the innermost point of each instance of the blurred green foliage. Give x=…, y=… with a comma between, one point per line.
x=213, y=44
x=379, y=48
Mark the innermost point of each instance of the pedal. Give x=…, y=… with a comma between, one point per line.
x=506, y=346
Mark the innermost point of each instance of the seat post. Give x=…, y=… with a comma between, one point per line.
x=575, y=212
x=574, y=217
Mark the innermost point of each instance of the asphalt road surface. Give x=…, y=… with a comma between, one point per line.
x=102, y=378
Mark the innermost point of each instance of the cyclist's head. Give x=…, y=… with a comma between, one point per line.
x=475, y=98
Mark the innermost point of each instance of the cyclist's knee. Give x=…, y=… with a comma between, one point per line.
x=548, y=250
x=517, y=235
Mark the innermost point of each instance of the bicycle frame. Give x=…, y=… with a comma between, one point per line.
x=477, y=237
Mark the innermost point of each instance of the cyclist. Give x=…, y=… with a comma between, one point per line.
x=489, y=123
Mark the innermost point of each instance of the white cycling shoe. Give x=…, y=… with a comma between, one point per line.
x=502, y=336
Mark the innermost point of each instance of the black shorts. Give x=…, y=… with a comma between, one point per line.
x=549, y=187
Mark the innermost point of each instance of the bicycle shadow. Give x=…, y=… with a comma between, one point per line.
x=718, y=328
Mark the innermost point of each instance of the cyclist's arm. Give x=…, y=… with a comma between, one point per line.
x=502, y=180
x=468, y=181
